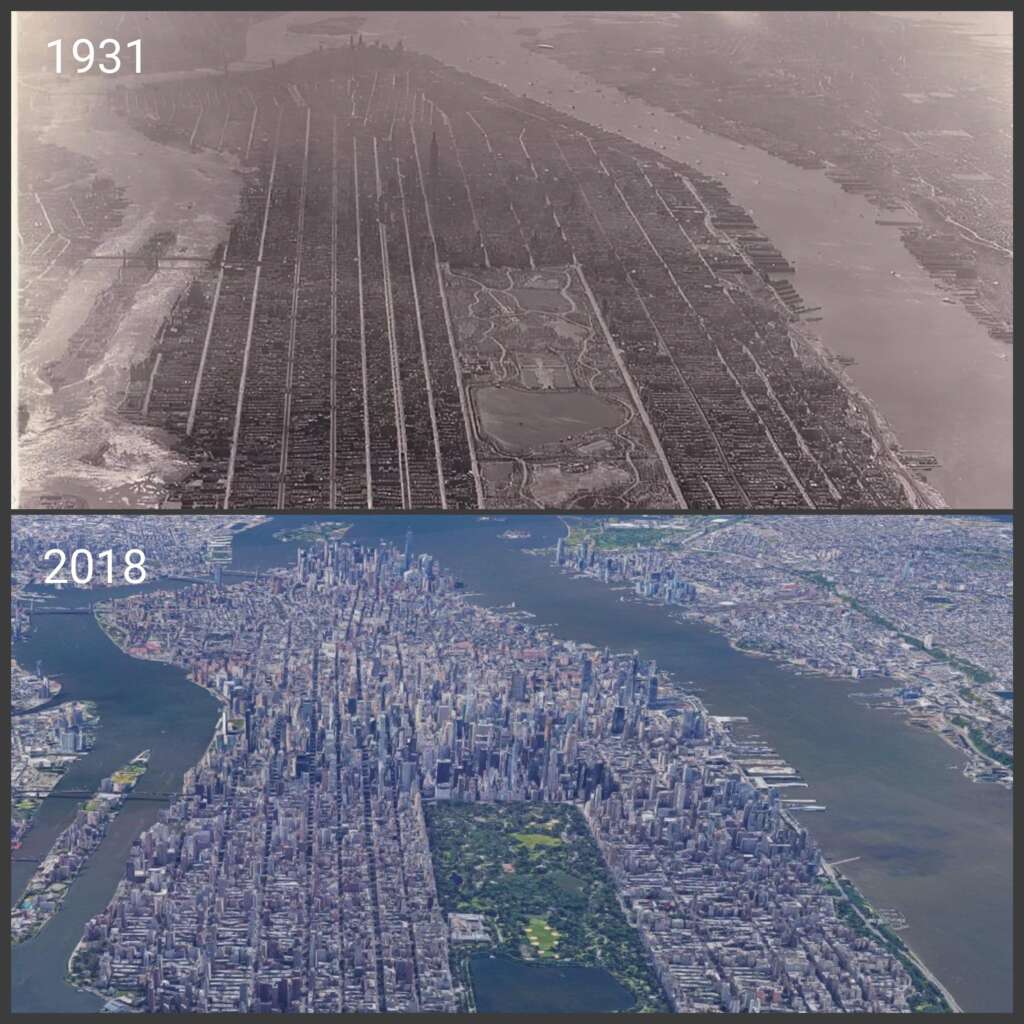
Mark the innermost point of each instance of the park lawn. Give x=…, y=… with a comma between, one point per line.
x=557, y=904
x=129, y=774
x=542, y=936
x=531, y=840
x=566, y=883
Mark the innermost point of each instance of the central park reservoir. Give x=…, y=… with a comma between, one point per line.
x=501, y=984
x=930, y=843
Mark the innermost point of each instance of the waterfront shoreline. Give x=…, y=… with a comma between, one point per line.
x=113, y=808
x=974, y=759
x=121, y=885
x=920, y=493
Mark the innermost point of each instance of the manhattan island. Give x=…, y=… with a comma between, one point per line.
x=438, y=294
x=364, y=701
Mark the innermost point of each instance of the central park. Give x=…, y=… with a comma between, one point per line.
x=558, y=940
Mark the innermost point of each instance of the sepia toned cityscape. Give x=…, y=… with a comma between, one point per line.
x=402, y=261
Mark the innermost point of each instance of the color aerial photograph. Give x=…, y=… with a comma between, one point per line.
x=496, y=763
x=717, y=261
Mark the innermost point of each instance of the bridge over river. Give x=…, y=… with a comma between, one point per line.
x=83, y=794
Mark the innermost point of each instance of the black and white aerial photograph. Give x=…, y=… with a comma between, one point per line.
x=494, y=260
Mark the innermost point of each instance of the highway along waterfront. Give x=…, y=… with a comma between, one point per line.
x=929, y=843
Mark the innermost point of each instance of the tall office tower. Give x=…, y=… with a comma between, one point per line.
x=443, y=788
x=618, y=720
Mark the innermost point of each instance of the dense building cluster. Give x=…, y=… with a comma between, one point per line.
x=927, y=601
x=725, y=886
x=316, y=364
x=44, y=743
x=294, y=873
x=28, y=690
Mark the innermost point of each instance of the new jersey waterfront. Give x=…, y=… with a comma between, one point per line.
x=372, y=683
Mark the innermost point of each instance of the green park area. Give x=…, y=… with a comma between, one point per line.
x=309, y=533
x=604, y=535
x=535, y=872
x=22, y=810
x=531, y=840
x=129, y=775
x=542, y=936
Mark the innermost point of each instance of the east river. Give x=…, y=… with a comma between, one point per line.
x=930, y=843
